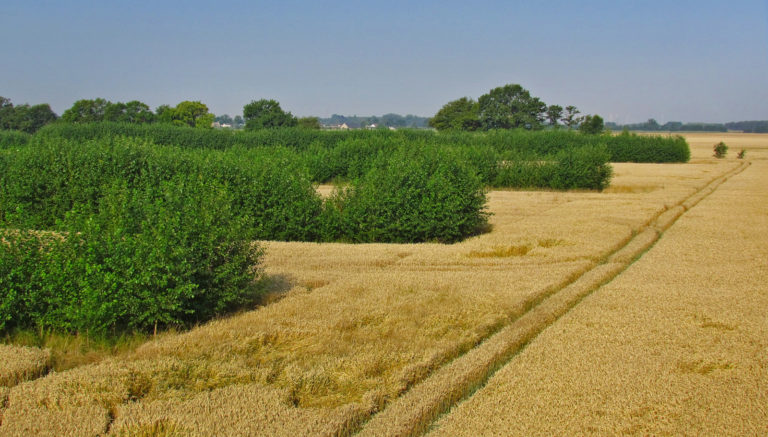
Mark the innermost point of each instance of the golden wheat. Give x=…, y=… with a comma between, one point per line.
x=20, y=363
x=676, y=345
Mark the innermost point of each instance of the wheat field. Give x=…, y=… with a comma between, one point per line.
x=676, y=345
x=351, y=329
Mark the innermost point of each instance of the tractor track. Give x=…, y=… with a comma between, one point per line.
x=416, y=410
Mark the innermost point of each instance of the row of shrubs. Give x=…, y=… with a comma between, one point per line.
x=45, y=180
x=626, y=147
x=345, y=156
x=121, y=234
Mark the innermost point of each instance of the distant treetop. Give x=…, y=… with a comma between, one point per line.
x=507, y=107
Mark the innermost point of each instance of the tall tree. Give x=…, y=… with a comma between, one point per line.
x=31, y=118
x=510, y=106
x=25, y=118
x=194, y=114
x=592, y=124
x=224, y=119
x=570, y=118
x=114, y=112
x=460, y=114
x=138, y=112
x=86, y=111
x=554, y=113
x=266, y=114
x=7, y=113
x=164, y=114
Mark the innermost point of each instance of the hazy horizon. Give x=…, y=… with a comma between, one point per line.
x=688, y=61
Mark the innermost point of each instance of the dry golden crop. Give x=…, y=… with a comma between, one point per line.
x=20, y=363
x=353, y=327
x=676, y=345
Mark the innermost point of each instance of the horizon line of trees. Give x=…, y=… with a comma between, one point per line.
x=511, y=107
x=386, y=120
x=507, y=107
x=755, y=126
x=26, y=118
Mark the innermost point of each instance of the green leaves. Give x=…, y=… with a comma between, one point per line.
x=266, y=114
x=509, y=107
x=412, y=195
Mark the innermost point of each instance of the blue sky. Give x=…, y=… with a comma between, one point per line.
x=625, y=60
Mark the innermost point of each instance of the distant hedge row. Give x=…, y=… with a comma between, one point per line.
x=500, y=159
x=626, y=147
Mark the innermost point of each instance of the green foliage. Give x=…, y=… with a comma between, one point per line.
x=309, y=123
x=51, y=176
x=554, y=114
x=592, y=125
x=12, y=138
x=570, y=118
x=673, y=126
x=411, y=195
x=742, y=154
x=86, y=111
x=630, y=147
x=720, y=150
x=315, y=146
x=584, y=167
x=173, y=254
x=188, y=113
x=387, y=120
x=461, y=114
x=510, y=107
x=757, y=126
x=97, y=110
x=266, y=114
x=24, y=118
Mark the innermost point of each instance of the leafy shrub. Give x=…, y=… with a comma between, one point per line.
x=44, y=181
x=411, y=196
x=742, y=154
x=720, y=150
x=12, y=138
x=575, y=168
x=348, y=159
x=583, y=167
x=630, y=147
x=172, y=254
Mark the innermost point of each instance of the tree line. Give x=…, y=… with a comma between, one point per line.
x=24, y=118
x=386, y=120
x=258, y=114
x=757, y=126
x=511, y=107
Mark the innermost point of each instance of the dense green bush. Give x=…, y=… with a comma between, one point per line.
x=575, y=168
x=44, y=181
x=411, y=196
x=13, y=138
x=720, y=150
x=172, y=254
x=630, y=147
x=583, y=167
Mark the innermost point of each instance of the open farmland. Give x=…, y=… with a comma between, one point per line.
x=676, y=345
x=355, y=333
